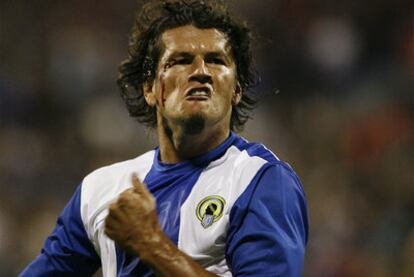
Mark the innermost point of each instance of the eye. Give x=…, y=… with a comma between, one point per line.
x=216, y=60
x=177, y=61
x=180, y=61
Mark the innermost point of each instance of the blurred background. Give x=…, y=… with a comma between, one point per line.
x=337, y=103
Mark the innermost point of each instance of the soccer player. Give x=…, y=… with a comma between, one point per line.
x=206, y=202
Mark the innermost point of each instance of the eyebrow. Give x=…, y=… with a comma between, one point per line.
x=207, y=55
x=180, y=55
x=217, y=54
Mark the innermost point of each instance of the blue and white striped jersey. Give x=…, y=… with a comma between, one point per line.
x=237, y=210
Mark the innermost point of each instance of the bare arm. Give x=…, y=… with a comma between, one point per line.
x=132, y=223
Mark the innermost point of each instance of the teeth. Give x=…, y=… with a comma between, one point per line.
x=198, y=93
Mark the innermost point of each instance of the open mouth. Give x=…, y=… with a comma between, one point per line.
x=198, y=94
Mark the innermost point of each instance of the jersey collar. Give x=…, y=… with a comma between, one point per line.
x=196, y=162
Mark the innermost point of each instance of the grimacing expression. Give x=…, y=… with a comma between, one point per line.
x=196, y=76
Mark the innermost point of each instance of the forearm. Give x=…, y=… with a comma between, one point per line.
x=163, y=256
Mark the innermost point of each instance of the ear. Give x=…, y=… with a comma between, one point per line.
x=237, y=94
x=149, y=94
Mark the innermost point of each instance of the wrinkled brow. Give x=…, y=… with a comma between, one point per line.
x=215, y=54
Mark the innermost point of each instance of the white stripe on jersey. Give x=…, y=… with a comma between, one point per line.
x=227, y=177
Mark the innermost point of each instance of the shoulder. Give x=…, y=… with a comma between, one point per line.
x=279, y=184
x=249, y=167
x=111, y=177
x=275, y=185
x=273, y=165
x=252, y=153
x=140, y=164
x=275, y=177
x=245, y=162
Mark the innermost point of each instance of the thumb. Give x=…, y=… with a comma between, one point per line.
x=138, y=186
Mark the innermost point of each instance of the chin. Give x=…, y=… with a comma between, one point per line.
x=194, y=124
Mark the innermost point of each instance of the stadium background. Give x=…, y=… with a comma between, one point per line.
x=337, y=103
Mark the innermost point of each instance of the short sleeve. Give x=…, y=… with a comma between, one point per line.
x=269, y=225
x=67, y=251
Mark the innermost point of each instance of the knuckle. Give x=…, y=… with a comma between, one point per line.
x=125, y=195
x=112, y=208
x=108, y=225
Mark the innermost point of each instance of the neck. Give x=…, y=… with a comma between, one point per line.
x=176, y=145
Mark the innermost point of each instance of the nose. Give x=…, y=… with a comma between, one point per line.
x=200, y=72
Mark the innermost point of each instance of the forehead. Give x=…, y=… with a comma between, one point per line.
x=192, y=39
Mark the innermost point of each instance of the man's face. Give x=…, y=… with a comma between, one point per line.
x=196, y=78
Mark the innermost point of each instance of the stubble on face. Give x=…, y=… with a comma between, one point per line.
x=192, y=125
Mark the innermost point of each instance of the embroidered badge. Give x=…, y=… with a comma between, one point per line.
x=210, y=210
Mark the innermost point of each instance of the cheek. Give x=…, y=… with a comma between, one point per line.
x=171, y=81
x=226, y=82
x=169, y=90
x=225, y=74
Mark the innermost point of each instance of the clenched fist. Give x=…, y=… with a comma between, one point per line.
x=132, y=221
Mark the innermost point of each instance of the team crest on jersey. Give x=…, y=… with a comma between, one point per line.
x=210, y=210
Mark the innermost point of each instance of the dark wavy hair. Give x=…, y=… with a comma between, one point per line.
x=145, y=49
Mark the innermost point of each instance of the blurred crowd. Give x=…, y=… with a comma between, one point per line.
x=337, y=103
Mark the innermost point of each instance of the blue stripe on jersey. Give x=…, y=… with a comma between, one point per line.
x=67, y=251
x=170, y=184
x=268, y=225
